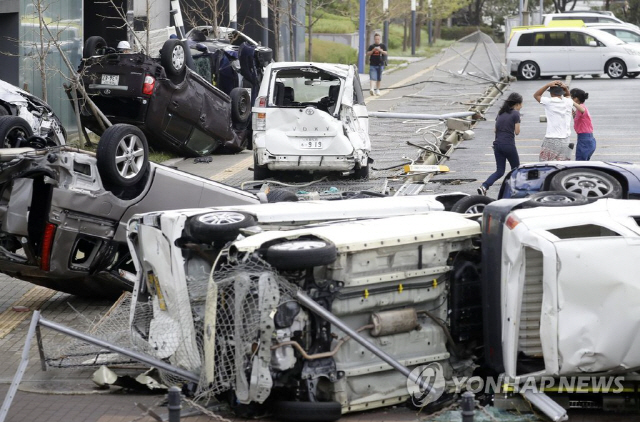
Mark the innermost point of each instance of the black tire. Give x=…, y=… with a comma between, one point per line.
x=361, y=173
x=473, y=204
x=14, y=131
x=4, y=111
x=122, y=155
x=299, y=411
x=555, y=199
x=92, y=46
x=173, y=57
x=528, y=71
x=615, y=69
x=260, y=172
x=300, y=254
x=240, y=105
x=219, y=225
x=281, y=195
x=587, y=182
x=633, y=75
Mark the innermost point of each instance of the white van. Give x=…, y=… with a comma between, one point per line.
x=570, y=51
x=586, y=17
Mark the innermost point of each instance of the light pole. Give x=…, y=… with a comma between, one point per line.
x=385, y=31
x=264, y=14
x=362, y=30
x=233, y=14
x=413, y=27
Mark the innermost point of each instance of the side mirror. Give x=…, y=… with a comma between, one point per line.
x=593, y=43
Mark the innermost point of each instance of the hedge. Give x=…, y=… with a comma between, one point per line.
x=456, y=32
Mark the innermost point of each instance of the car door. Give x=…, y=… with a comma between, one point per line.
x=585, y=53
x=549, y=51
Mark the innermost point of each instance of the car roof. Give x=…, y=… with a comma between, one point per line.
x=599, y=25
x=339, y=69
x=591, y=31
x=574, y=13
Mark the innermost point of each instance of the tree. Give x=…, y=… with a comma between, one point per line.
x=312, y=8
x=561, y=5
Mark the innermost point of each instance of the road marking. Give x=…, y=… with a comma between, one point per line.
x=233, y=170
x=413, y=77
x=33, y=299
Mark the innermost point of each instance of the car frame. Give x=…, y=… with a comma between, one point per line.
x=594, y=52
x=310, y=117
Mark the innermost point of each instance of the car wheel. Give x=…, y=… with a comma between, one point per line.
x=122, y=155
x=587, y=182
x=529, y=71
x=615, y=68
x=300, y=254
x=632, y=75
x=4, y=111
x=172, y=57
x=93, y=46
x=281, y=195
x=260, y=172
x=473, y=204
x=556, y=199
x=219, y=225
x=360, y=173
x=14, y=131
x=299, y=411
x=240, y=105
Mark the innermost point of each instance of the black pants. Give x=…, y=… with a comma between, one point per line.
x=502, y=152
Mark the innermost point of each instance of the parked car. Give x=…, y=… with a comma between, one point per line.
x=310, y=117
x=592, y=180
x=171, y=100
x=63, y=214
x=433, y=288
x=23, y=115
x=553, y=51
x=625, y=33
x=586, y=17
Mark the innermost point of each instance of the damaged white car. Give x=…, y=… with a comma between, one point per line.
x=310, y=117
x=23, y=115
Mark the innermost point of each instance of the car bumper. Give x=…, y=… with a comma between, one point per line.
x=312, y=162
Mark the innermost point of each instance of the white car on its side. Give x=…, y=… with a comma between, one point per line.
x=560, y=51
x=310, y=117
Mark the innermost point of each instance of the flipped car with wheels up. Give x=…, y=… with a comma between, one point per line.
x=23, y=115
x=433, y=290
x=310, y=117
x=171, y=100
x=591, y=179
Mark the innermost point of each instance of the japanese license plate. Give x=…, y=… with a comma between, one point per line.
x=110, y=79
x=311, y=143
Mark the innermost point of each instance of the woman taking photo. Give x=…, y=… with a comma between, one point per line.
x=504, y=145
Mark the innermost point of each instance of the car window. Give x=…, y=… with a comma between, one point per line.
x=627, y=36
x=581, y=39
x=551, y=39
x=358, y=97
x=607, y=30
x=607, y=20
x=303, y=87
x=200, y=142
x=526, y=40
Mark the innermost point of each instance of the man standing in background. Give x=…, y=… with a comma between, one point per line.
x=377, y=58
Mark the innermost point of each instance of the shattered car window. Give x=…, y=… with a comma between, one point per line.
x=299, y=88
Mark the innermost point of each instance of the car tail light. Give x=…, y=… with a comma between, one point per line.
x=47, y=244
x=261, y=101
x=512, y=222
x=149, y=84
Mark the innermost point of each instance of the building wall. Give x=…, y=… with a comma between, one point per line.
x=9, y=26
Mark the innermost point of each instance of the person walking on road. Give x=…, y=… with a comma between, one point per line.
x=558, y=107
x=504, y=145
x=377, y=58
x=586, y=144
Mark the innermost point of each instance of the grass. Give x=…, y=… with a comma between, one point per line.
x=154, y=156
x=333, y=24
x=332, y=52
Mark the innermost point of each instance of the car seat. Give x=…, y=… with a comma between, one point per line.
x=334, y=93
x=288, y=97
x=278, y=93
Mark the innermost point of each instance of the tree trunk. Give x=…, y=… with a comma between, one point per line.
x=404, y=35
x=42, y=54
x=276, y=30
x=436, y=30
x=310, y=32
x=419, y=20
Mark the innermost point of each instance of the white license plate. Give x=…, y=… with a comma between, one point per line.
x=311, y=143
x=110, y=79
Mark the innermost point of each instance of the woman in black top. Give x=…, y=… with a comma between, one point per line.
x=504, y=145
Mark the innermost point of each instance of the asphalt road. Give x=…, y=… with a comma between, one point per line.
x=69, y=395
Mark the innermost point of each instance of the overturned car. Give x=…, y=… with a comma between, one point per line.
x=432, y=289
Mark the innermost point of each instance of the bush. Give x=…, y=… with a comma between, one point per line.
x=333, y=52
x=456, y=32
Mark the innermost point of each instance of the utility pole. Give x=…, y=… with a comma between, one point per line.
x=385, y=31
x=264, y=14
x=413, y=27
x=233, y=14
x=362, y=31
x=430, y=28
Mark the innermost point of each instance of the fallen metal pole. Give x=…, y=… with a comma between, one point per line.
x=385, y=115
x=316, y=308
x=157, y=363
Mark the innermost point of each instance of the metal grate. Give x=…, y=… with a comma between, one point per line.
x=529, y=341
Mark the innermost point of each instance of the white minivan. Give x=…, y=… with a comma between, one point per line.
x=553, y=51
x=586, y=17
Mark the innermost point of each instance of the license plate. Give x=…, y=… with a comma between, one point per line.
x=311, y=143
x=110, y=79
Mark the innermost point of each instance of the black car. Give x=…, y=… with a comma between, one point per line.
x=173, y=99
